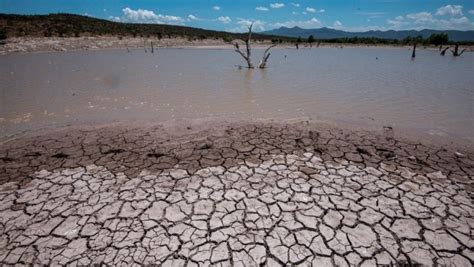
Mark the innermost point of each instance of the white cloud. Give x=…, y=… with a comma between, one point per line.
x=312, y=23
x=450, y=10
x=148, y=16
x=295, y=4
x=337, y=24
x=261, y=8
x=314, y=10
x=294, y=13
x=425, y=20
x=421, y=17
x=216, y=8
x=112, y=18
x=192, y=17
x=277, y=5
x=471, y=12
x=224, y=19
x=258, y=25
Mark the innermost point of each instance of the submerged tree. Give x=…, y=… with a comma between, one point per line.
x=246, y=54
x=456, y=52
x=415, y=42
x=248, y=51
x=413, y=54
x=266, y=55
x=443, y=52
x=311, y=40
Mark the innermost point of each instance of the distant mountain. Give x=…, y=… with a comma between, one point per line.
x=326, y=33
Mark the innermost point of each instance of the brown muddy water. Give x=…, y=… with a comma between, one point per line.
x=372, y=87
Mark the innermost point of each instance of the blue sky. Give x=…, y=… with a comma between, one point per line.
x=351, y=15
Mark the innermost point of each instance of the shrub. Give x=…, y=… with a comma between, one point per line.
x=3, y=34
x=227, y=39
x=438, y=39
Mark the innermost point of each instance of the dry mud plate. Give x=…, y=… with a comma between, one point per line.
x=240, y=194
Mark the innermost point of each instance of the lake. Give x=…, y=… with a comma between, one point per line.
x=431, y=95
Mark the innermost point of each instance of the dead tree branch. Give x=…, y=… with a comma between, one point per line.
x=266, y=55
x=456, y=52
x=443, y=52
x=247, y=54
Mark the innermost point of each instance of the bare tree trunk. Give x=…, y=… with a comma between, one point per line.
x=266, y=55
x=246, y=55
x=152, y=49
x=413, y=55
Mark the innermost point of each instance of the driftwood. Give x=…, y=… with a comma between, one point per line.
x=456, y=51
x=266, y=55
x=247, y=53
x=443, y=52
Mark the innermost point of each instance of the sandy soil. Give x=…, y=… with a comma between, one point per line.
x=240, y=193
x=46, y=44
x=36, y=44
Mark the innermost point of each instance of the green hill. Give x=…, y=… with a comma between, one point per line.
x=70, y=25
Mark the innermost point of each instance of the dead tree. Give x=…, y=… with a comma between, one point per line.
x=266, y=55
x=151, y=44
x=443, y=52
x=247, y=53
x=413, y=54
x=456, y=51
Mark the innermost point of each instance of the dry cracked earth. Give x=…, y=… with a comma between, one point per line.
x=241, y=194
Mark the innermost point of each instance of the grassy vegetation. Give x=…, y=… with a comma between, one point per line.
x=435, y=39
x=69, y=25
x=3, y=34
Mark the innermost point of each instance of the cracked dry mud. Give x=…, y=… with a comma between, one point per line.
x=242, y=194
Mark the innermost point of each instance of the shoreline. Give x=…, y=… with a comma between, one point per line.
x=203, y=128
x=401, y=134
x=22, y=45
